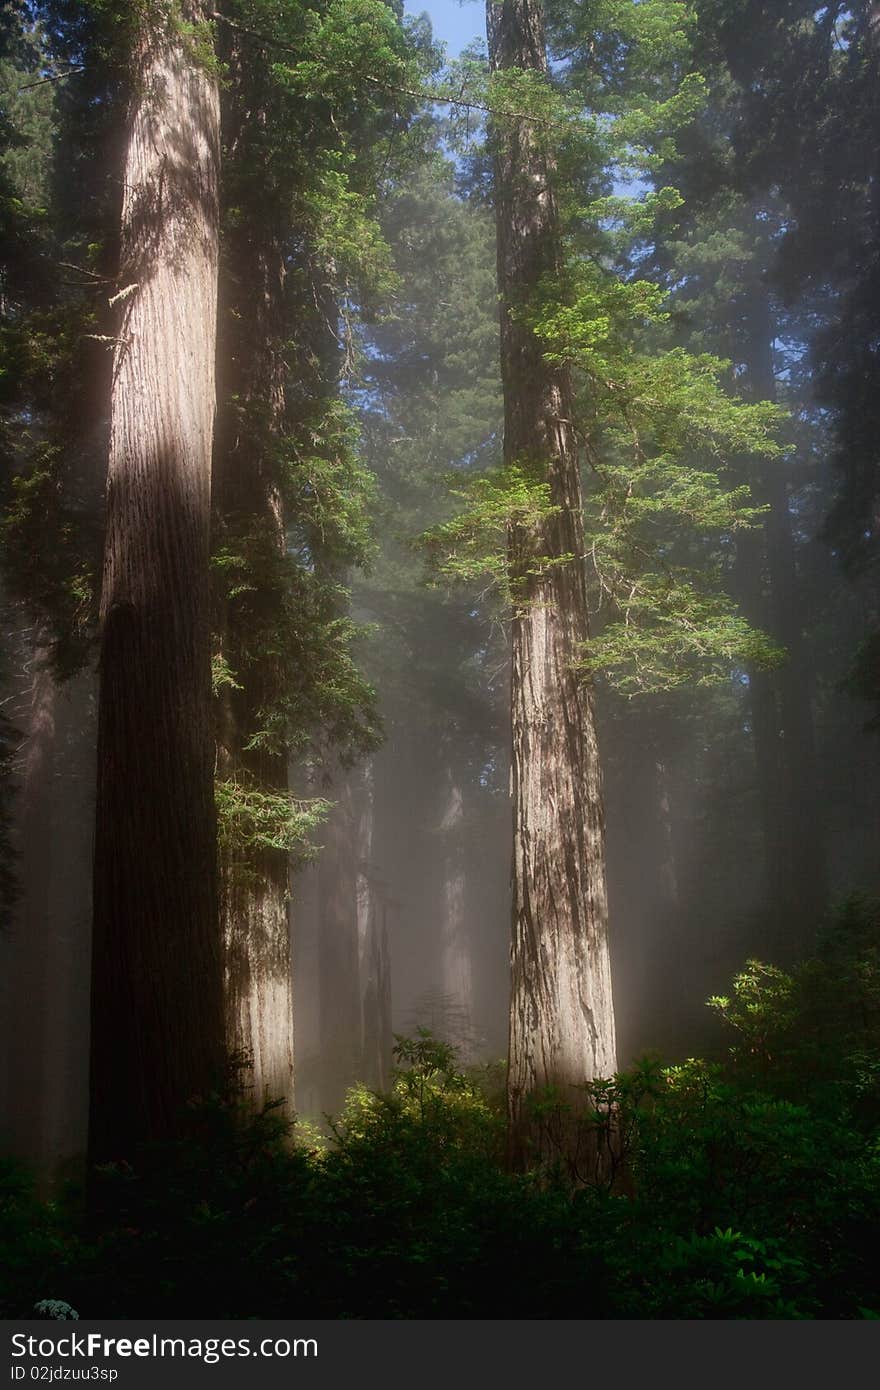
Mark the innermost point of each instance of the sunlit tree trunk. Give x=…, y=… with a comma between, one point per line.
x=456, y=964
x=561, y=1017
x=157, y=1012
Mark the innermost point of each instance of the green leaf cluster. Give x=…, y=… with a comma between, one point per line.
x=472, y=544
x=252, y=822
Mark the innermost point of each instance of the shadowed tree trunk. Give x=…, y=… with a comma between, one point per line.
x=29, y=1003
x=781, y=710
x=561, y=1017
x=373, y=951
x=804, y=885
x=45, y=965
x=254, y=882
x=378, y=1038
x=157, y=1017
x=338, y=953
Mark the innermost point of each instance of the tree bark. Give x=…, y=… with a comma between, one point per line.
x=29, y=1004
x=254, y=883
x=561, y=1017
x=338, y=953
x=456, y=964
x=782, y=717
x=374, y=965
x=157, y=1016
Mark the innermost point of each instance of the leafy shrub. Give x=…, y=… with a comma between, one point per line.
x=747, y=1187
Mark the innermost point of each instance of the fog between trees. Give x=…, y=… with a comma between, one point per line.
x=522, y=504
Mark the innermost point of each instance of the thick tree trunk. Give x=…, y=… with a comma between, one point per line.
x=257, y=976
x=157, y=1017
x=561, y=1018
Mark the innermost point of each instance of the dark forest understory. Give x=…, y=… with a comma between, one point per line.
x=439, y=661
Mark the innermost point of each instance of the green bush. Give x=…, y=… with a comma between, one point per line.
x=747, y=1187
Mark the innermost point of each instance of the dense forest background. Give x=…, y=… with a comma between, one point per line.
x=412, y=467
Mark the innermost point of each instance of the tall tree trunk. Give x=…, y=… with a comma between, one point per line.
x=668, y=871
x=373, y=959
x=338, y=964
x=782, y=718
x=456, y=965
x=70, y=918
x=254, y=883
x=751, y=583
x=561, y=1018
x=157, y=1011
x=29, y=1003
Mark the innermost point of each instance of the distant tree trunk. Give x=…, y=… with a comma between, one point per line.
x=46, y=1011
x=782, y=718
x=338, y=964
x=374, y=967
x=157, y=1010
x=562, y=1018
x=70, y=918
x=29, y=1003
x=456, y=965
x=669, y=895
x=254, y=882
x=379, y=986
x=751, y=583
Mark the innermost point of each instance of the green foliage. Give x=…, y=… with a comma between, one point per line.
x=305, y=117
x=725, y=1197
x=863, y=678
x=817, y=1026
x=36, y=1239
x=28, y=117
x=430, y=1098
x=673, y=633
x=52, y=551
x=50, y=362
x=660, y=430
x=431, y=403
x=198, y=42
x=293, y=648
x=328, y=488
x=660, y=427
x=253, y=822
x=473, y=544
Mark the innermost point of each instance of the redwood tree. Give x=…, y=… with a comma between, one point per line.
x=561, y=1012
x=157, y=1022
x=249, y=518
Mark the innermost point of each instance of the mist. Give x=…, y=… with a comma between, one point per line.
x=470, y=665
